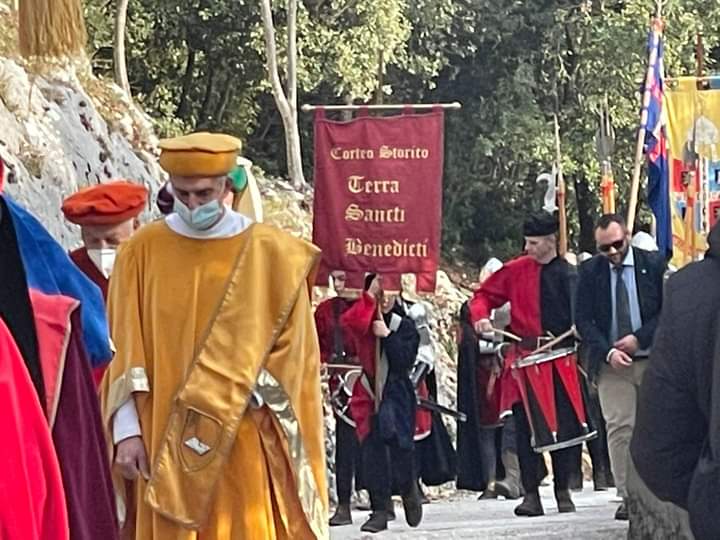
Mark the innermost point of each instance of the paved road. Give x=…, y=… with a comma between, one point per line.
x=465, y=517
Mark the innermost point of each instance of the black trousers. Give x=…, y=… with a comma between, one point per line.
x=385, y=466
x=565, y=462
x=347, y=460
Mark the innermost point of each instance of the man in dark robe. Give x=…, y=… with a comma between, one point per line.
x=55, y=315
x=107, y=215
x=337, y=346
x=383, y=403
x=537, y=285
x=675, y=446
x=434, y=453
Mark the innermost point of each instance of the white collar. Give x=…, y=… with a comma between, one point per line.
x=231, y=224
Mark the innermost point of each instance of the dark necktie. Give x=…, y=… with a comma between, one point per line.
x=622, y=305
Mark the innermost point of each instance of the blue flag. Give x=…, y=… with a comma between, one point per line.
x=653, y=120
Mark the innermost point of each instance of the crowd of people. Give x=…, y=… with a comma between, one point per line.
x=194, y=408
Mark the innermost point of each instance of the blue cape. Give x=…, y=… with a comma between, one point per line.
x=50, y=270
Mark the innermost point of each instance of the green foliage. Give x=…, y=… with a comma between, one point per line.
x=513, y=64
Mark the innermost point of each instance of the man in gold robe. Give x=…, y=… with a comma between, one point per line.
x=213, y=400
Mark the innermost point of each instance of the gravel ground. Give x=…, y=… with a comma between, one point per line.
x=465, y=517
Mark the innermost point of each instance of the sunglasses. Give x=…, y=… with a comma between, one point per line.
x=618, y=245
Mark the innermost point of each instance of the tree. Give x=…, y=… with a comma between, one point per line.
x=285, y=98
x=121, y=77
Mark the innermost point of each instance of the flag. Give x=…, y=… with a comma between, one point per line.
x=653, y=120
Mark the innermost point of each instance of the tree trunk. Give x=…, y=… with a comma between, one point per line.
x=224, y=100
x=183, y=104
x=587, y=208
x=203, y=120
x=121, y=77
x=286, y=101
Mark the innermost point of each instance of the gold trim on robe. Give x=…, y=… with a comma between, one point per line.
x=277, y=400
x=133, y=380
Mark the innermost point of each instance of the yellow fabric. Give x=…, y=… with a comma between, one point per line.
x=686, y=105
x=165, y=293
x=199, y=154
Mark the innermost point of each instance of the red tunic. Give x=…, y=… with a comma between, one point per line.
x=539, y=296
x=83, y=262
x=358, y=320
x=517, y=282
x=325, y=323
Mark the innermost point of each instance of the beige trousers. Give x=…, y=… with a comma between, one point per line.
x=618, y=390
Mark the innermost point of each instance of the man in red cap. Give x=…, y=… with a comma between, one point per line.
x=107, y=215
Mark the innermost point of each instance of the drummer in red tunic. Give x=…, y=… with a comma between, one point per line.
x=107, y=215
x=537, y=285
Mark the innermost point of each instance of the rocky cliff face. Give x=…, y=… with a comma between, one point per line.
x=63, y=129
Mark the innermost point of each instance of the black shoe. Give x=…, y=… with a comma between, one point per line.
x=412, y=505
x=531, y=506
x=488, y=494
x=564, y=501
x=622, y=513
x=601, y=480
x=507, y=490
x=342, y=516
x=390, y=510
x=376, y=522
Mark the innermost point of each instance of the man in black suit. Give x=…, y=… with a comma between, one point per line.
x=618, y=304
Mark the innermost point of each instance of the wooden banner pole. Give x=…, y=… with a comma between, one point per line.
x=420, y=106
x=635, y=186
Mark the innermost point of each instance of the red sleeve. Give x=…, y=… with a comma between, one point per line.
x=360, y=316
x=323, y=313
x=493, y=293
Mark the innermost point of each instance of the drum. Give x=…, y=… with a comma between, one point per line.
x=342, y=381
x=552, y=396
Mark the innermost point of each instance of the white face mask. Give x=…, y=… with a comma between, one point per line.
x=103, y=259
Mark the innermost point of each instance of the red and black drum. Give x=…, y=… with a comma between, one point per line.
x=551, y=393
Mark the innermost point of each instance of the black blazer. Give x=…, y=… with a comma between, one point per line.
x=593, y=303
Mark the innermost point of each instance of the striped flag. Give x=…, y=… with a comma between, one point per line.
x=653, y=120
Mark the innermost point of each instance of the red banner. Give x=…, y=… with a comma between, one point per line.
x=378, y=197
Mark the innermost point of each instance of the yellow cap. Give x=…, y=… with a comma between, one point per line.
x=199, y=154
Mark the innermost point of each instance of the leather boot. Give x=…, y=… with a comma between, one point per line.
x=509, y=487
x=342, y=516
x=412, y=505
x=564, y=501
x=531, y=506
x=390, y=510
x=489, y=492
x=600, y=480
x=376, y=522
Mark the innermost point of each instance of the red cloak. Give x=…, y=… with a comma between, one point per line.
x=32, y=499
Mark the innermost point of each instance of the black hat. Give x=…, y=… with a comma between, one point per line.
x=540, y=224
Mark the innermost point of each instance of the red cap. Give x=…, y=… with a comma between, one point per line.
x=105, y=204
